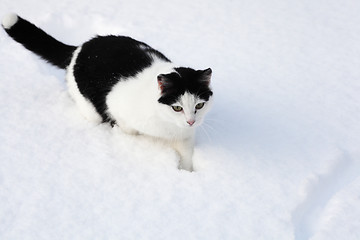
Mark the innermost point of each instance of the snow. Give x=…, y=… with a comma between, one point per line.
x=277, y=158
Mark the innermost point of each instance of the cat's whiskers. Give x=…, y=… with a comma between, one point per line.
x=206, y=133
x=205, y=127
x=217, y=122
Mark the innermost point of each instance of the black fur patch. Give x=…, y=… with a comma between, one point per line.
x=185, y=80
x=102, y=62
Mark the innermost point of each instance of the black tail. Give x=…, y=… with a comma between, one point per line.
x=38, y=41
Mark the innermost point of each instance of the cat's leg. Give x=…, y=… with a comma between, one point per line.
x=185, y=148
x=86, y=108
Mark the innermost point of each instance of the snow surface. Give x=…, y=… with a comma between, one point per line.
x=278, y=156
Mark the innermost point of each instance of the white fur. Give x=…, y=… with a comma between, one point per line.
x=9, y=20
x=84, y=105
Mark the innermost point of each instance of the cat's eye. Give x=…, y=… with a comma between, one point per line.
x=177, y=108
x=199, y=105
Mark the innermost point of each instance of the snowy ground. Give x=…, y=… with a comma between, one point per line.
x=278, y=157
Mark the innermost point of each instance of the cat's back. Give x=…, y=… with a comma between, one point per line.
x=120, y=55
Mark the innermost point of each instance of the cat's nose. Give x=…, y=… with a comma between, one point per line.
x=191, y=122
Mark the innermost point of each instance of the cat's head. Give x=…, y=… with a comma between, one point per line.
x=185, y=95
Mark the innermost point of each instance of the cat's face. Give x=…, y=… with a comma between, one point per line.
x=185, y=96
x=188, y=111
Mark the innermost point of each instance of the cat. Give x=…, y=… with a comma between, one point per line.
x=125, y=82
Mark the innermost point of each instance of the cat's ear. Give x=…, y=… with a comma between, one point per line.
x=162, y=82
x=206, y=76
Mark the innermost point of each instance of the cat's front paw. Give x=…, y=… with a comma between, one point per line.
x=188, y=166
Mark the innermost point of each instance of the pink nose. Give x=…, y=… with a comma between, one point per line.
x=191, y=122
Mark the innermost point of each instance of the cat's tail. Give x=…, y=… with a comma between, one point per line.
x=38, y=41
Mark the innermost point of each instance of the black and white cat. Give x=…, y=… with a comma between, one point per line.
x=125, y=82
